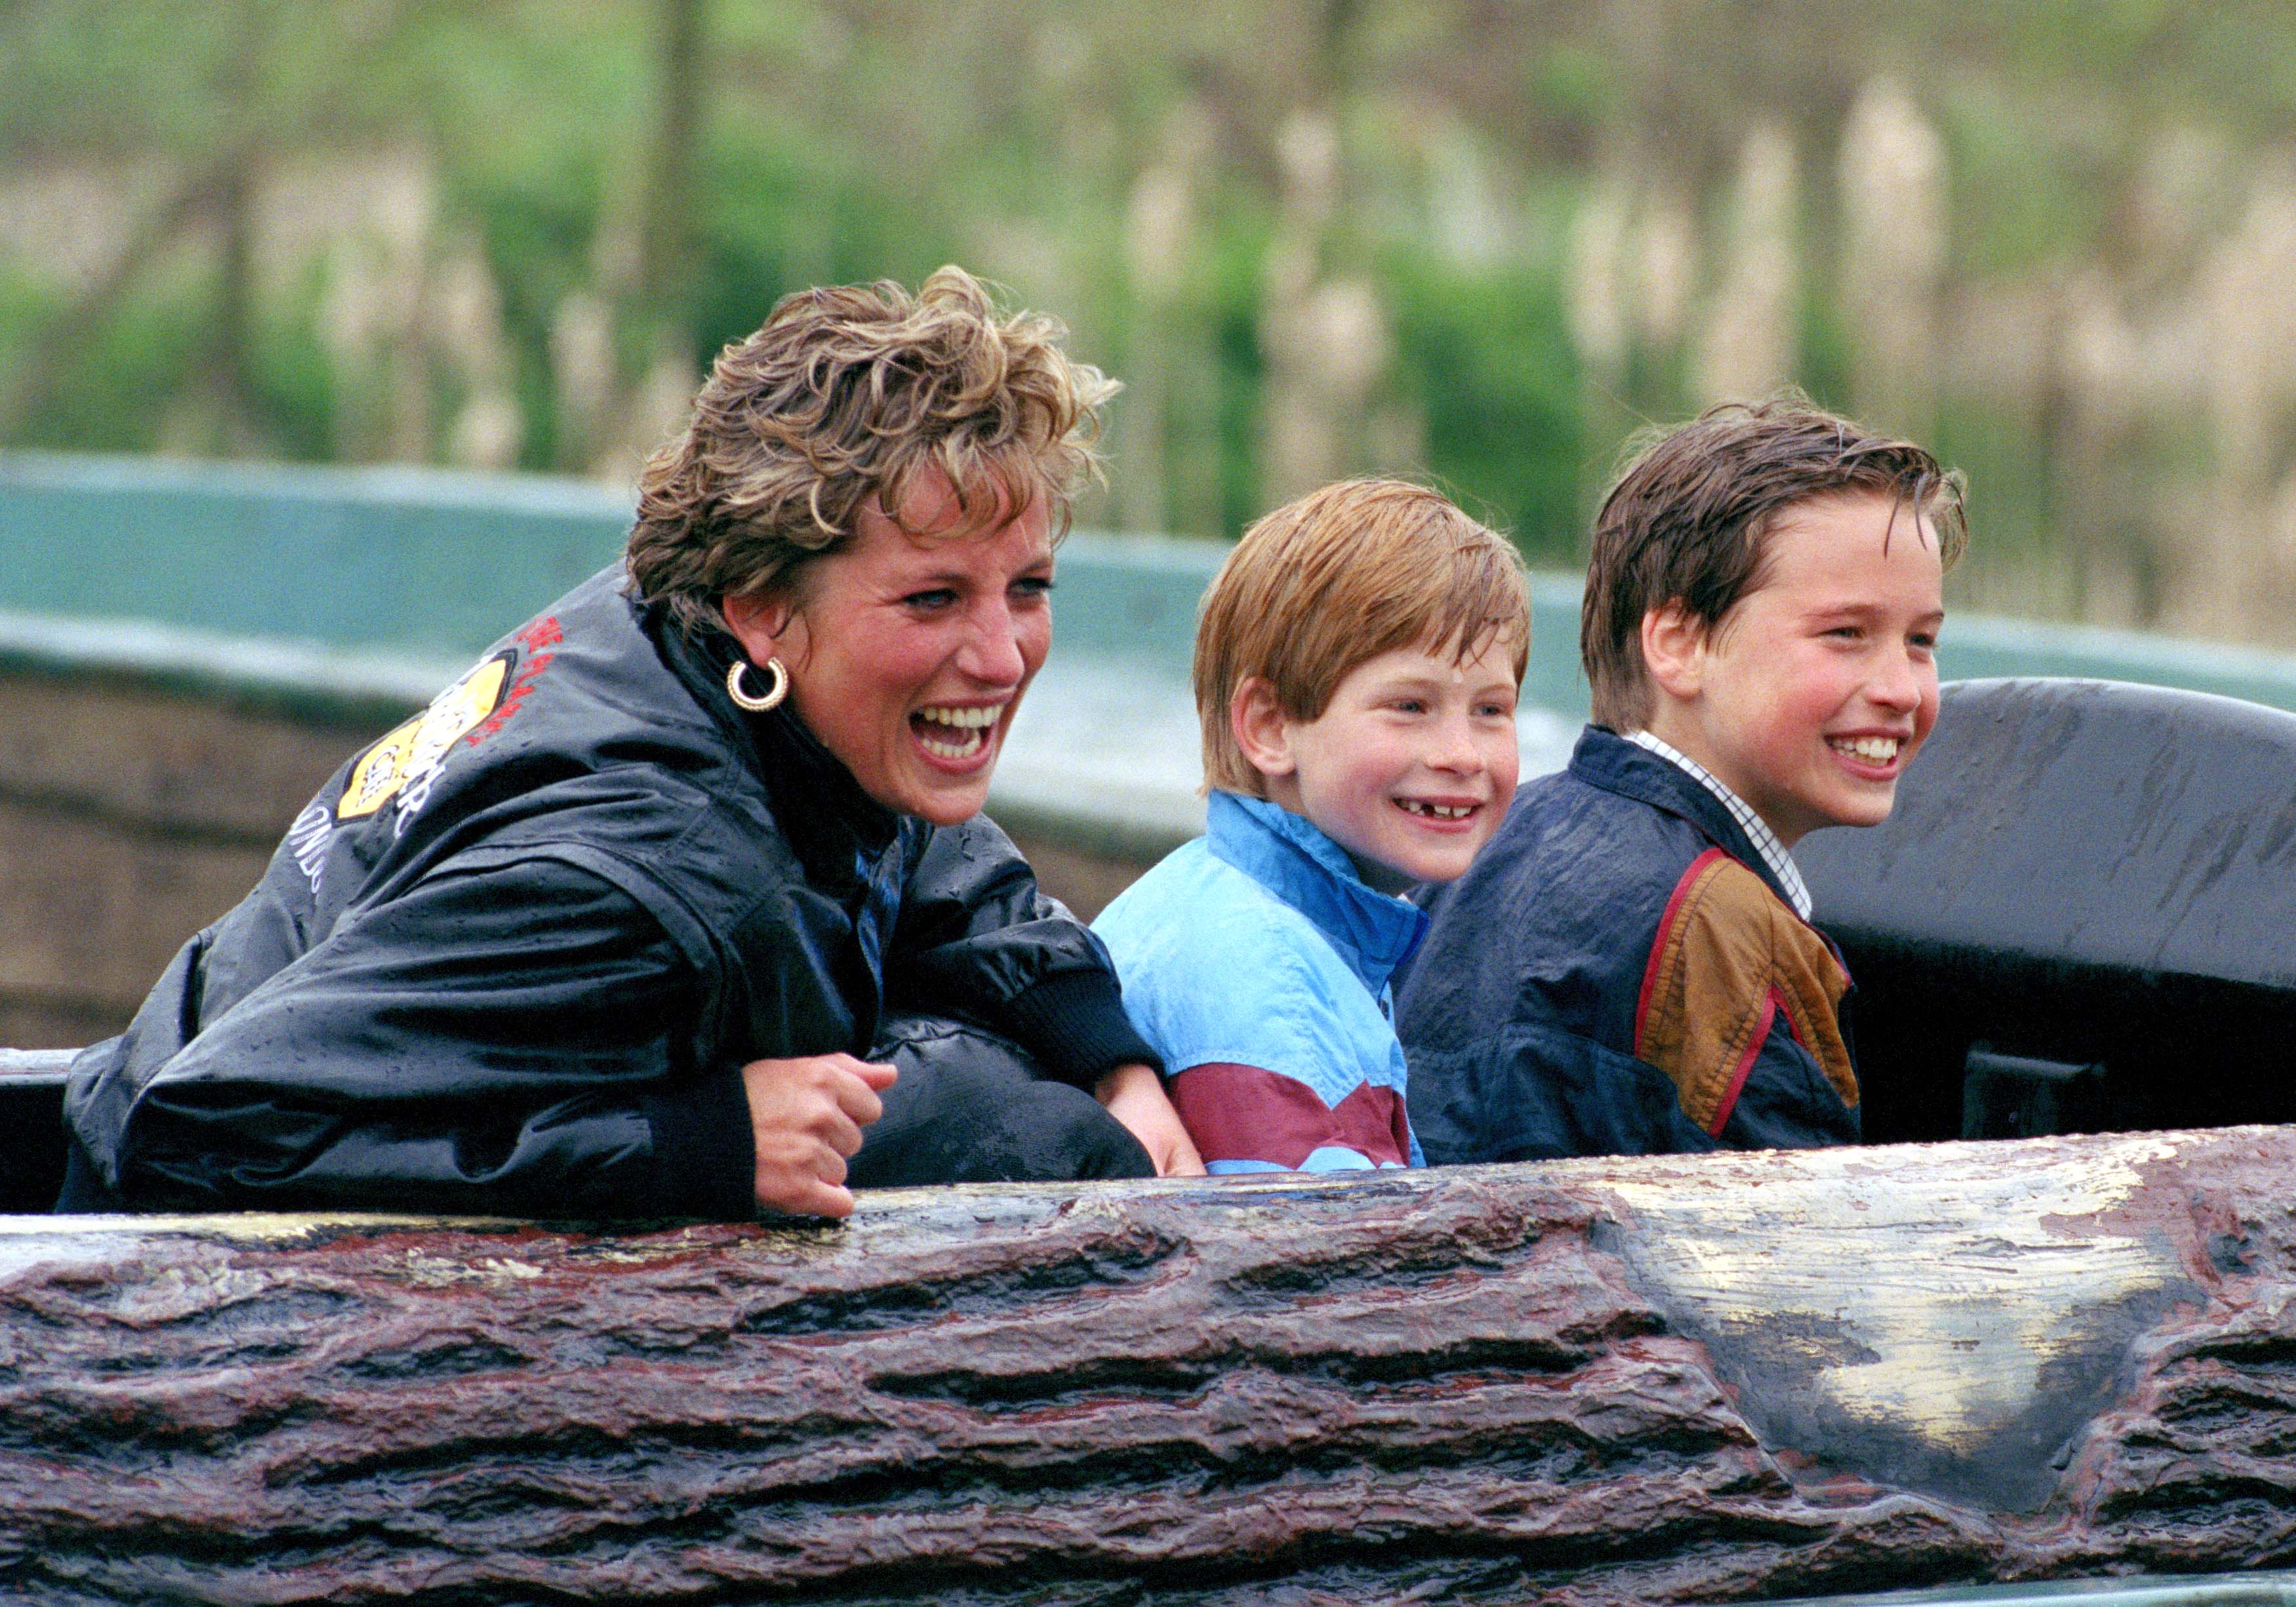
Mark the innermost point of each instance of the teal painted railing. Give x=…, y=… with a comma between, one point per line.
x=422, y=562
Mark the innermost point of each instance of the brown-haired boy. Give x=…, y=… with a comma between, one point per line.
x=1630, y=968
x=1358, y=660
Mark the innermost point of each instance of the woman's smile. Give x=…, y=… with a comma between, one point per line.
x=957, y=735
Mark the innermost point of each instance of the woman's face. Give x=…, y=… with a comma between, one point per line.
x=907, y=657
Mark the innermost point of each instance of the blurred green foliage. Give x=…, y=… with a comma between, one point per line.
x=838, y=140
x=1487, y=361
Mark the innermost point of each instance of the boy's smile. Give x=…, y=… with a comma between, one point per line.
x=1410, y=766
x=1811, y=697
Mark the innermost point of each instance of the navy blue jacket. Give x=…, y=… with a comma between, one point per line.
x=1618, y=973
x=513, y=956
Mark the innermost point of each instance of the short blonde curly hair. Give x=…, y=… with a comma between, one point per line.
x=850, y=393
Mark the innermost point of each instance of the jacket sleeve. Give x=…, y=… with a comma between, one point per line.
x=979, y=940
x=1738, y=1009
x=1785, y=1101
x=515, y=1037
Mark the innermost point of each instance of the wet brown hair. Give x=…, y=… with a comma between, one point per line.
x=1687, y=520
x=1340, y=576
x=850, y=393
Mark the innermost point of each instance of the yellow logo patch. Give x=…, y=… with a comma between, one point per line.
x=412, y=750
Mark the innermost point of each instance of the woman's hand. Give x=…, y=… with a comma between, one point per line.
x=805, y=1116
x=1134, y=1095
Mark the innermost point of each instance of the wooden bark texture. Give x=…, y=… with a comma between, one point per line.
x=1665, y=1380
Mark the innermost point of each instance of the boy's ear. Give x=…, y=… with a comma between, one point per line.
x=1674, y=650
x=1258, y=722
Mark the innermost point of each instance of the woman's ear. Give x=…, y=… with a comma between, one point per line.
x=1260, y=728
x=1674, y=650
x=765, y=624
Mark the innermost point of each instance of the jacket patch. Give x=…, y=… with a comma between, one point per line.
x=408, y=757
x=537, y=638
x=1731, y=959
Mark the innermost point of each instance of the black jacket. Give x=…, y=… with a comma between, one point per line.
x=513, y=957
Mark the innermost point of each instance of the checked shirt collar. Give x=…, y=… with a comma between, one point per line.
x=1765, y=840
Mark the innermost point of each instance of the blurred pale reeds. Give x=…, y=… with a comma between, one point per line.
x=1313, y=240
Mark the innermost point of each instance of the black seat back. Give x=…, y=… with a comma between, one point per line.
x=2081, y=915
x=31, y=1128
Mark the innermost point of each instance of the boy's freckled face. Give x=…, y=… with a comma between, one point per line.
x=1817, y=690
x=1411, y=765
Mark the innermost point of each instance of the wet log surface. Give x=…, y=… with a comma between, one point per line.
x=1651, y=1380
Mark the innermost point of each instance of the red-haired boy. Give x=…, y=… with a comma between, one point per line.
x=1356, y=666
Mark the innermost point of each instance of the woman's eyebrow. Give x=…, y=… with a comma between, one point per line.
x=957, y=579
x=939, y=575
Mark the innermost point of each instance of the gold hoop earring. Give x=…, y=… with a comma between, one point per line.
x=750, y=701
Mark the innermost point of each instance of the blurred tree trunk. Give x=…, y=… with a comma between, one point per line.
x=1895, y=237
x=233, y=423
x=225, y=411
x=63, y=339
x=668, y=239
x=222, y=191
x=648, y=253
x=1322, y=330
x=1167, y=473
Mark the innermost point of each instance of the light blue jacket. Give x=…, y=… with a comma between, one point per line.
x=1257, y=962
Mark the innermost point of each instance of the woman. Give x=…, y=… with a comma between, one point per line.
x=604, y=932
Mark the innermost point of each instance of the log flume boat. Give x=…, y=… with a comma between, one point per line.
x=1673, y=1379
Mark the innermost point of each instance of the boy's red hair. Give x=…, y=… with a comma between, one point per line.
x=1340, y=576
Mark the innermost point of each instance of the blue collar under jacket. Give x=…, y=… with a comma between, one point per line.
x=1292, y=857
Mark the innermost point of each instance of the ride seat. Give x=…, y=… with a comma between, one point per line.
x=2080, y=916
x=32, y=1118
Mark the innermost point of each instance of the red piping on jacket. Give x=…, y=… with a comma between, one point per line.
x=1746, y=1062
x=1658, y=944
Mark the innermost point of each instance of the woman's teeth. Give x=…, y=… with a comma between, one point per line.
x=1435, y=811
x=948, y=732
x=1874, y=750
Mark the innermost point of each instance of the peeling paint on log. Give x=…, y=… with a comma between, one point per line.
x=1665, y=1380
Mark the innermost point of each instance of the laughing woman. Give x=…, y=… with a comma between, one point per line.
x=685, y=883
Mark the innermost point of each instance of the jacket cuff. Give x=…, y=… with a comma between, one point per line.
x=1073, y=1023
x=705, y=1160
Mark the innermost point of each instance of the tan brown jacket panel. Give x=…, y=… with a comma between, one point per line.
x=1730, y=956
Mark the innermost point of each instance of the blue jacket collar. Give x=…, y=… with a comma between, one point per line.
x=1605, y=760
x=1289, y=856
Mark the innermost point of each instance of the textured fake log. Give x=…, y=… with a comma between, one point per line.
x=1595, y=1382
